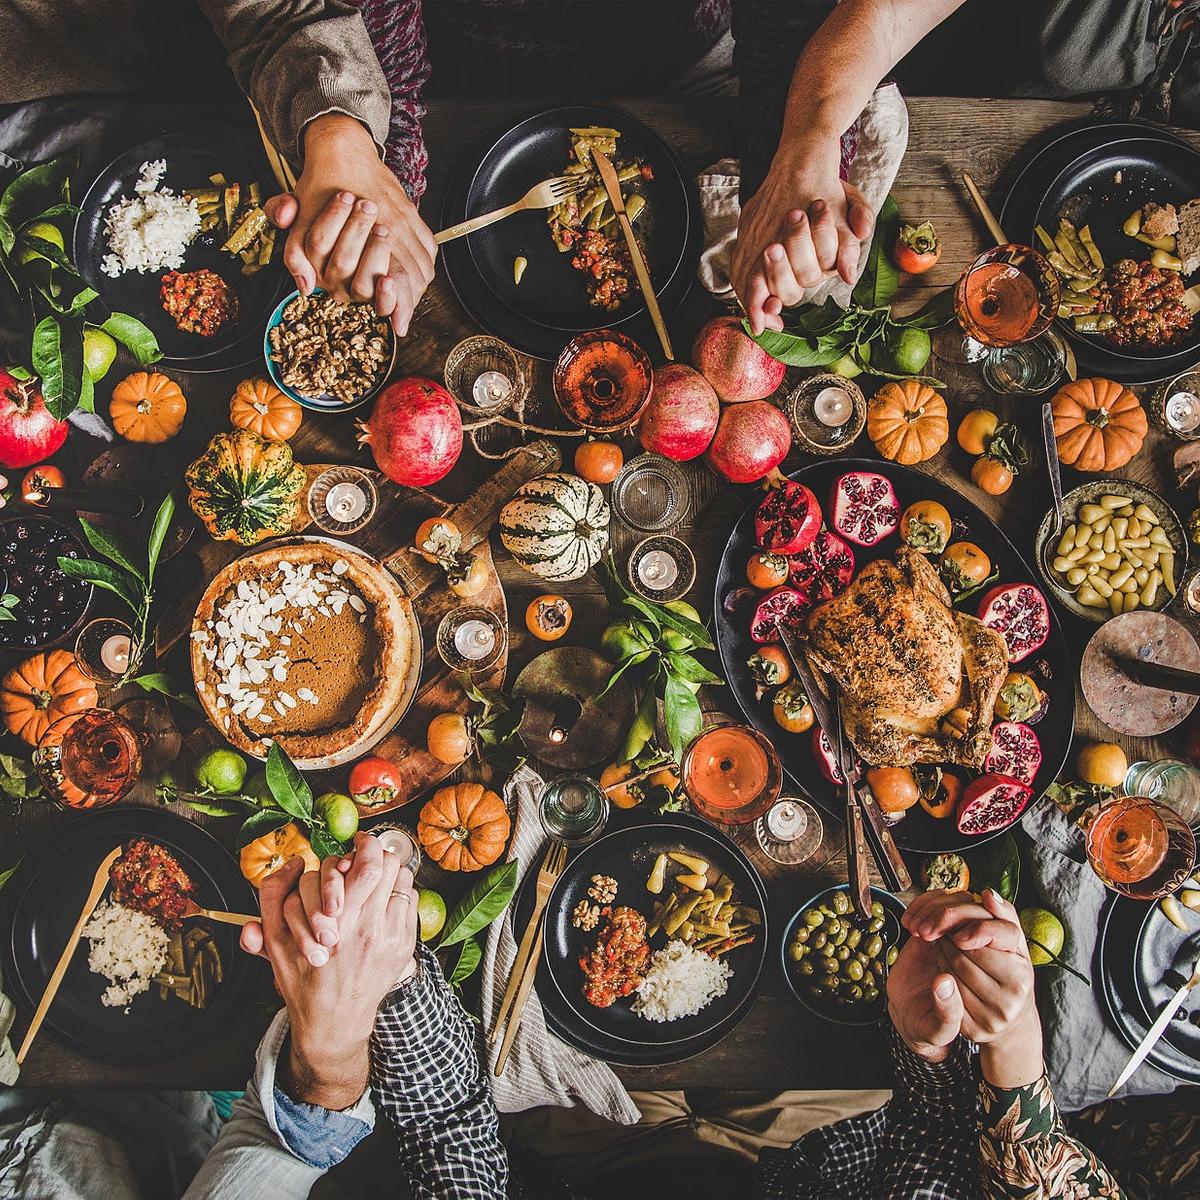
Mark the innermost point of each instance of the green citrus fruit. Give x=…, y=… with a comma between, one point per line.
x=340, y=813
x=680, y=641
x=221, y=771
x=99, y=350
x=431, y=912
x=847, y=367
x=255, y=786
x=45, y=231
x=909, y=351
x=1042, y=926
x=621, y=640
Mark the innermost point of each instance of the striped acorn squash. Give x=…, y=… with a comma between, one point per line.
x=245, y=488
x=556, y=526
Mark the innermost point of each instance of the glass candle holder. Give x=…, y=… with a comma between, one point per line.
x=471, y=638
x=1175, y=407
x=827, y=413
x=482, y=372
x=342, y=500
x=790, y=831
x=396, y=838
x=88, y=759
x=662, y=568
x=602, y=381
x=651, y=493
x=105, y=650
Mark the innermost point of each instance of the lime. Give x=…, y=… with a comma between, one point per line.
x=909, y=351
x=99, y=350
x=431, y=912
x=847, y=366
x=45, y=231
x=680, y=641
x=340, y=813
x=620, y=641
x=1042, y=926
x=221, y=771
x=255, y=786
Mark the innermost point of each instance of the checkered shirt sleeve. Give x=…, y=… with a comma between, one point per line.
x=426, y=1077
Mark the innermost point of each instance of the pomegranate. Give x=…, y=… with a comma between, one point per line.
x=824, y=568
x=864, y=508
x=784, y=605
x=415, y=432
x=1015, y=751
x=827, y=764
x=1020, y=612
x=750, y=442
x=991, y=803
x=681, y=417
x=29, y=432
x=787, y=519
x=737, y=367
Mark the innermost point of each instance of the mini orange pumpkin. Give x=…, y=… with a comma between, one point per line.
x=258, y=405
x=907, y=421
x=1099, y=425
x=265, y=855
x=464, y=827
x=147, y=407
x=36, y=692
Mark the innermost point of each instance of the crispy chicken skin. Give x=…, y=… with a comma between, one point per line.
x=902, y=659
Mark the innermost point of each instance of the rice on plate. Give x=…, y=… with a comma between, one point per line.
x=151, y=230
x=128, y=948
x=680, y=982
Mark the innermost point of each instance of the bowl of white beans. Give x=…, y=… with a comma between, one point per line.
x=1122, y=548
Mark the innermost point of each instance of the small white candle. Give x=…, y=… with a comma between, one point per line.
x=657, y=570
x=346, y=501
x=832, y=406
x=786, y=821
x=491, y=388
x=396, y=841
x=474, y=639
x=114, y=653
x=1182, y=411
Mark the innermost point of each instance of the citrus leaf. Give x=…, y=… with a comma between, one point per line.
x=324, y=844
x=878, y=283
x=57, y=356
x=797, y=350
x=469, y=957
x=933, y=314
x=158, y=532
x=104, y=575
x=996, y=865
x=264, y=821
x=287, y=785
x=481, y=905
x=41, y=248
x=690, y=668
x=114, y=547
x=682, y=715
x=134, y=336
x=36, y=189
x=212, y=808
x=164, y=685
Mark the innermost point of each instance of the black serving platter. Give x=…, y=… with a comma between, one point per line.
x=617, y=1034
x=917, y=831
x=550, y=305
x=42, y=901
x=191, y=155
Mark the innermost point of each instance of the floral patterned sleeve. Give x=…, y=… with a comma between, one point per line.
x=1027, y=1154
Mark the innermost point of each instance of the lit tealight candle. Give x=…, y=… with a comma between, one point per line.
x=786, y=821
x=345, y=502
x=491, y=388
x=396, y=841
x=1182, y=411
x=657, y=570
x=474, y=639
x=114, y=653
x=832, y=406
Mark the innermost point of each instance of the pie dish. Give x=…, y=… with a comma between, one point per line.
x=306, y=643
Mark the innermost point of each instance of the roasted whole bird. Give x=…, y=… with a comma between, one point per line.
x=903, y=659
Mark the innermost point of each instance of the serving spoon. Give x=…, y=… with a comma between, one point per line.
x=1054, y=533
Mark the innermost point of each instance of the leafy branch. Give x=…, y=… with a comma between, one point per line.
x=486, y=900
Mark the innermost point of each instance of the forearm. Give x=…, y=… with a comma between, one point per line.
x=327, y=1078
x=1015, y=1060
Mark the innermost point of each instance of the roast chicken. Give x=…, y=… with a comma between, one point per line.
x=903, y=659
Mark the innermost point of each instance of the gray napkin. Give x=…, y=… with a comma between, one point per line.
x=1084, y=1055
x=8, y=1060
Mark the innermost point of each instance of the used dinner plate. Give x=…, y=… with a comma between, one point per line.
x=550, y=305
x=42, y=901
x=191, y=155
x=917, y=831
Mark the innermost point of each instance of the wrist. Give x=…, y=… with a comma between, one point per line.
x=337, y=133
x=328, y=1076
x=1014, y=1059
x=923, y=1050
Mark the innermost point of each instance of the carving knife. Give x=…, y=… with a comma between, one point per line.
x=1155, y=1031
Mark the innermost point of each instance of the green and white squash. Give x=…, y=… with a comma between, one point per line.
x=556, y=526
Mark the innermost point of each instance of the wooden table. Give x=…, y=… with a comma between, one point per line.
x=778, y=1045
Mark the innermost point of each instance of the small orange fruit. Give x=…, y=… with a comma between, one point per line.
x=622, y=797
x=1103, y=764
x=766, y=570
x=894, y=788
x=548, y=617
x=598, y=461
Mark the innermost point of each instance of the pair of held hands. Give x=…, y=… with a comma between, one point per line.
x=353, y=231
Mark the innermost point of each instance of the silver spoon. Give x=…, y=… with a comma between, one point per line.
x=1054, y=533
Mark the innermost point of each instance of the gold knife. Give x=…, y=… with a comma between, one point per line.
x=612, y=185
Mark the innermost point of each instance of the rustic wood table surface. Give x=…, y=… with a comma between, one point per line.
x=779, y=1045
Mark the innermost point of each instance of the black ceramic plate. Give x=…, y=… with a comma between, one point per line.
x=1126, y=970
x=917, y=831
x=617, y=1034
x=191, y=157
x=39, y=907
x=550, y=305
x=1163, y=959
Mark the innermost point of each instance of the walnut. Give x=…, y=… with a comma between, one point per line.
x=603, y=889
x=585, y=916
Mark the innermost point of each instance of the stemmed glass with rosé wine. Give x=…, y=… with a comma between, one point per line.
x=732, y=774
x=1139, y=847
x=89, y=759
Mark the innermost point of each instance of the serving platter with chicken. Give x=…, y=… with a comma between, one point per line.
x=929, y=623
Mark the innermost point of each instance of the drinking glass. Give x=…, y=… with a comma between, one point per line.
x=88, y=759
x=732, y=774
x=573, y=809
x=1139, y=847
x=1028, y=368
x=651, y=493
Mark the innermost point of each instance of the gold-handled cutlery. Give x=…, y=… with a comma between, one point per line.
x=518, y=1009
x=192, y=909
x=546, y=194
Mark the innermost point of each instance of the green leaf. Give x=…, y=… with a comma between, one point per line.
x=87, y=391
x=933, y=314
x=263, y=821
x=112, y=545
x=158, y=532
x=996, y=865
x=670, y=619
x=134, y=336
x=799, y=351
x=164, y=685
x=481, y=905
x=57, y=356
x=36, y=189
x=650, y=627
x=287, y=785
x=681, y=715
x=7, y=237
x=324, y=844
x=5, y=876
x=41, y=248
x=469, y=957
x=690, y=668
x=878, y=283
x=616, y=675
x=817, y=320
x=53, y=213
x=212, y=808
x=18, y=778
x=110, y=578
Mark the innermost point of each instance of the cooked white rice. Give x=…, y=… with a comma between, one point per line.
x=680, y=982
x=128, y=948
x=151, y=230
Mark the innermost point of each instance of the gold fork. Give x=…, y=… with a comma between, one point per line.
x=546, y=194
x=551, y=869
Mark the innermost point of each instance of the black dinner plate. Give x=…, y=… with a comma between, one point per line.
x=191, y=155
x=1130, y=976
x=617, y=1034
x=550, y=305
x=39, y=907
x=917, y=831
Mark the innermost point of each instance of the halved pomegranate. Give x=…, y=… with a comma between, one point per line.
x=991, y=803
x=787, y=519
x=1015, y=751
x=827, y=764
x=824, y=568
x=1019, y=612
x=864, y=507
x=784, y=605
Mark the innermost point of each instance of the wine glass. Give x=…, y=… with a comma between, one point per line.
x=732, y=774
x=88, y=759
x=1139, y=847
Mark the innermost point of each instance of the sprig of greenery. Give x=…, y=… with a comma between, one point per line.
x=486, y=900
x=7, y=603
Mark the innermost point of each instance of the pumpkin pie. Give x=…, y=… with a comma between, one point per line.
x=308, y=645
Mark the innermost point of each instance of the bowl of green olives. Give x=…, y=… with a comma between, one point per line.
x=836, y=961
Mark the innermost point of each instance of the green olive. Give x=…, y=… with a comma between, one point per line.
x=854, y=970
x=869, y=978
x=870, y=994
x=877, y=909
x=892, y=954
x=853, y=938
x=802, y=935
x=875, y=925
x=806, y=968
x=833, y=927
x=852, y=992
x=828, y=984
x=842, y=953
x=796, y=952
x=840, y=938
x=829, y=965
x=813, y=918
x=873, y=946
x=818, y=940
x=841, y=903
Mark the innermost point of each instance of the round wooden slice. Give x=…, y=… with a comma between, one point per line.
x=150, y=471
x=1120, y=702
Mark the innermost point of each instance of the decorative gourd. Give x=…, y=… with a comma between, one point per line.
x=556, y=526
x=265, y=855
x=1099, y=425
x=245, y=488
x=36, y=692
x=258, y=405
x=464, y=827
x=907, y=421
x=147, y=407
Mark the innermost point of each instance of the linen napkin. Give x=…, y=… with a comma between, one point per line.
x=541, y=1069
x=1084, y=1054
x=8, y=1060
x=882, y=140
